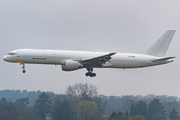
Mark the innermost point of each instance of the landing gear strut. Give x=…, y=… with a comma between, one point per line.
x=90, y=72
x=23, y=67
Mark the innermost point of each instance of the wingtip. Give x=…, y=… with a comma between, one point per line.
x=112, y=53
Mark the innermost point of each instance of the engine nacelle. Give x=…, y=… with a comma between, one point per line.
x=71, y=65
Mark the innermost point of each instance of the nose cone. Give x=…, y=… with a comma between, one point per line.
x=5, y=58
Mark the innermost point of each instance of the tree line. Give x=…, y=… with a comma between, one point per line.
x=141, y=111
x=82, y=102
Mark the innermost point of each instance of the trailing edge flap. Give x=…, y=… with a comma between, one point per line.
x=162, y=59
x=97, y=60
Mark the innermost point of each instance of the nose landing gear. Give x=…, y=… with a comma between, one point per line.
x=23, y=67
x=24, y=71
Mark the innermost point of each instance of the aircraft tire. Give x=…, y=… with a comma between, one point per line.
x=94, y=74
x=24, y=71
x=87, y=74
x=90, y=74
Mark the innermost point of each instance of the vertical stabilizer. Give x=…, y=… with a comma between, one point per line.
x=159, y=47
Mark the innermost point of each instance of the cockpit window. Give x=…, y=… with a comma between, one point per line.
x=12, y=53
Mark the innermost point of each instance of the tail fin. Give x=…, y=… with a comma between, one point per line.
x=160, y=47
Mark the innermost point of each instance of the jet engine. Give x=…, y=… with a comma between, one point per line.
x=71, y=65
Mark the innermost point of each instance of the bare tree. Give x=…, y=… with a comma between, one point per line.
x=82, y=91
x=79, y=92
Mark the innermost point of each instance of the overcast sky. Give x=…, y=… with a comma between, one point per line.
x=93, y=25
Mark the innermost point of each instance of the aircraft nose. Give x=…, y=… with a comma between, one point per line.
x=5, y=58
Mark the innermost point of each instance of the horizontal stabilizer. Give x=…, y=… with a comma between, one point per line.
x=160, y=47
x=162, y=59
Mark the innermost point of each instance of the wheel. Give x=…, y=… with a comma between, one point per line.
x=87, y=74
x=24, y=71
x=94, y=74
x=91, y=75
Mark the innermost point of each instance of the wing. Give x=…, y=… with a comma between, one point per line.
x=96, y=61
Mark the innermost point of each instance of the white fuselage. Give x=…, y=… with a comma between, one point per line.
x=74, y=60
x=58, y=57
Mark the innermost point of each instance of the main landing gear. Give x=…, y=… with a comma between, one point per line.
x=90, y=71
x=23, y=67
x=90, y=74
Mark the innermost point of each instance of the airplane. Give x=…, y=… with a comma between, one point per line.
x=74, y=60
